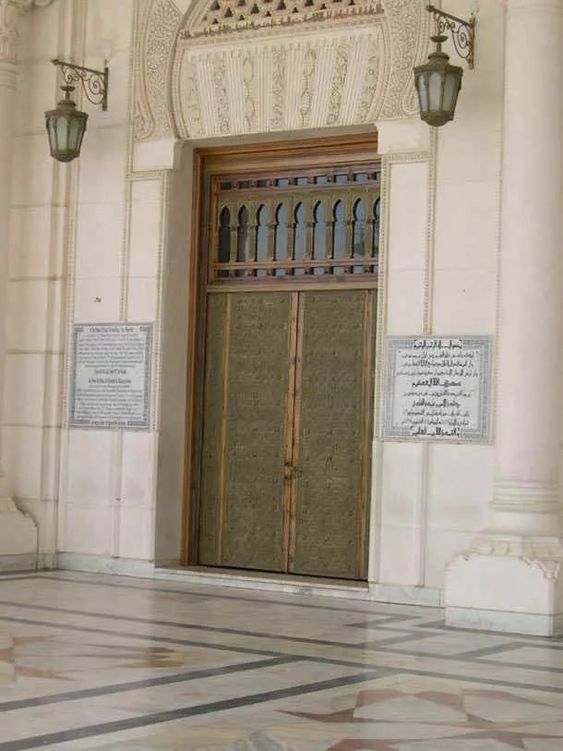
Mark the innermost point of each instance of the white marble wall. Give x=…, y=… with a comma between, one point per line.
x=104, y=240
x=36, y=286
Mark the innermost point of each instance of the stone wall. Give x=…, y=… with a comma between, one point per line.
x=105, y=239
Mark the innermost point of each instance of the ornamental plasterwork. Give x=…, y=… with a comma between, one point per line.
x=9, y=35
x=216, y=17
x=156, y=42
x=277, y=65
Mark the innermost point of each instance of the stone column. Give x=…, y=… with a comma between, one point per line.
x=513, y=579
x=18, y=533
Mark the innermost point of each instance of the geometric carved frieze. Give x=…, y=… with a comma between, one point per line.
x=216, y=17
x=277, y=65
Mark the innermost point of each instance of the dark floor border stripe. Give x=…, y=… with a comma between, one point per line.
x=144, y=637
x=308, y=658
x=158, y=718
x=187, y=642
x=164, y=680
x=366, y=666
x=404, y=633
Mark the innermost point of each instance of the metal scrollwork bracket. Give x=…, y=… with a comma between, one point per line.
x=462, y=33
x=94, y=82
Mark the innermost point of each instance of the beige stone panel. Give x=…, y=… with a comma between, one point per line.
x=408, y=212
x=30, y=304
x=401, y=136
x=443, y=546
x=99, y=241
x=97, y=300
x=467, y=225
x=465, y=301
x=108, y=27
x=142, y=299
x=405, y=302
x=24, y=389
x=36, y=93
x=51, y=463
x=32, y=394
x=40, y=34
x=86, y=529
x=136, y=533
x=470, y=151
x=138, y=468
x=103, y=166
x=146, y=224
x=399, y=555
x=32, y=171
x=160, y=154
x=460, y=486
x=90, y=466
x=37, y=241
x=401, y=483
x=118, y=95
x=22, y=447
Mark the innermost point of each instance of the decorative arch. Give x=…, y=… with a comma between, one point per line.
x=228, y=67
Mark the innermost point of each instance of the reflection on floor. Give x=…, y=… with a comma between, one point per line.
x=115, y=663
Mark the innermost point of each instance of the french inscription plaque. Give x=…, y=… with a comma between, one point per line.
x=437, y=388
x=111, y=376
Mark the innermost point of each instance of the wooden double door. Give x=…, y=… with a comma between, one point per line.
x=286, y=408
x=285, y=464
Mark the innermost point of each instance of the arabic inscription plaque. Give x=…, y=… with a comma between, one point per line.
x=437, y=388
x=111, y=376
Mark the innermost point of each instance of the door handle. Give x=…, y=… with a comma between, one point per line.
x=292, y=471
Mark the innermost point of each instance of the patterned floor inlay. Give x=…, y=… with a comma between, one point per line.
x=113, y=663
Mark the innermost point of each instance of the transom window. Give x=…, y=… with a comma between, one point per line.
x=316, y=225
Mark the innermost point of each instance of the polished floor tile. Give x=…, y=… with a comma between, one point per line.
x=122, y=663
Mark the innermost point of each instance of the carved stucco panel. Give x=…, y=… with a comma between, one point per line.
x=344, y=66
x=158, y=27
x=408, y=29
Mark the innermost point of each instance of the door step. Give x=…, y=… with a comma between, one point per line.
x=287, y=584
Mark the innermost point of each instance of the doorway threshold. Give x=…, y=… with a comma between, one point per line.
x=266, y=581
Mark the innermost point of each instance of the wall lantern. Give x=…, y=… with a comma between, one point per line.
x=437, y=82
x=66, y=125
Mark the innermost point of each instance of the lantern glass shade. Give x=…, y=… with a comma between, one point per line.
x=437, y=84
x=65, y=127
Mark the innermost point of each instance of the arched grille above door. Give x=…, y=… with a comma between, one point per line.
x=306, y=225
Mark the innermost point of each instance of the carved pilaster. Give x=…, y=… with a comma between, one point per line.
x=9, y=34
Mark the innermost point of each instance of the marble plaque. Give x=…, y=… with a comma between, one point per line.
x=437, y=388
x=111, y=376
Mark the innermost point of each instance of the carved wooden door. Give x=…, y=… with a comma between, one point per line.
x=288, y=374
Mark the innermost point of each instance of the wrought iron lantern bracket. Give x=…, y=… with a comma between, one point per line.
x=462, y=33
x=94, y=82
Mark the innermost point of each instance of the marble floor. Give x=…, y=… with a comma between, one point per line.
x=134, y=664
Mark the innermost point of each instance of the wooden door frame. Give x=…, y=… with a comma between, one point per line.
x=311, y=152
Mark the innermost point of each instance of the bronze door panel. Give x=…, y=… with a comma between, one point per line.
x=333, y=431
x=246, y=386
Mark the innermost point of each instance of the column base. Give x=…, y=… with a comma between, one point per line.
x=507, y=593
x=18, y=538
